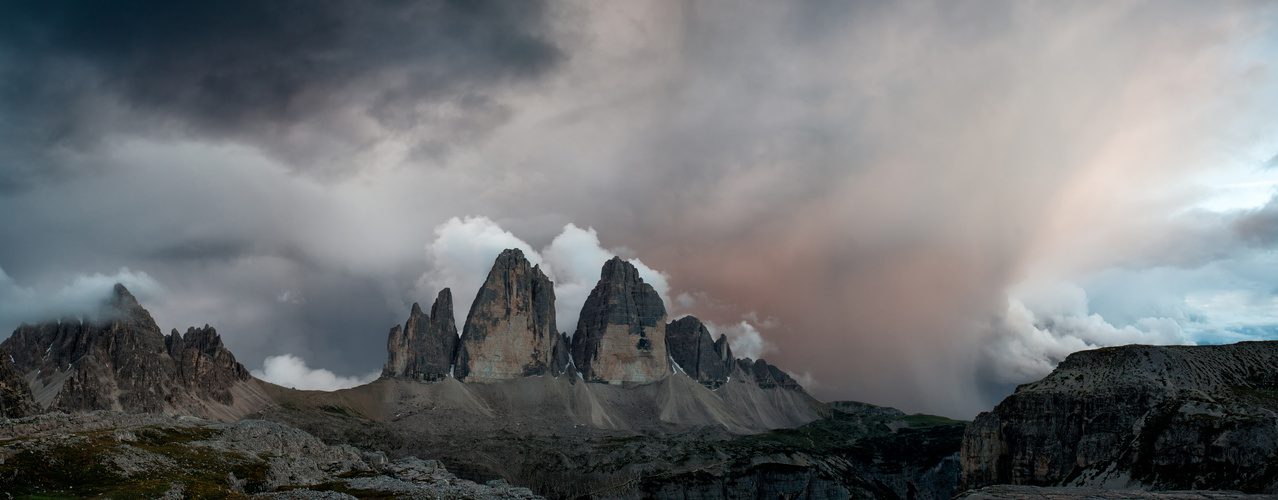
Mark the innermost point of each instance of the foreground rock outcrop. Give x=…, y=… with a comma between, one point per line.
x=121, y=361
x=621, y=334
x=424, y=349
x=1006, y=492
x=510, y=330
x=1137, y=417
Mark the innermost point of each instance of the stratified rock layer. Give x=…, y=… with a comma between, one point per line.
x=121, y=361
x=621, y=334
x=425, y=347
x=1148, y=417
x=510, y=330
x=708, y=361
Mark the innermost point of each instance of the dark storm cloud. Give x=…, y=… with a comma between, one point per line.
x=879, y=175
x=863, y=184
x=291, y=77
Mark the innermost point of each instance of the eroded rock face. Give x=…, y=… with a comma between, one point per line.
x=121, y=361
x=424, y=349
x=16, y=400
x=563, y=355
x=510, y=330
x=621, y=334
x=1174, y=417
x=689, y=344
x=204, y=364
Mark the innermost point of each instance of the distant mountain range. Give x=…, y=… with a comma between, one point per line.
x=633, y=405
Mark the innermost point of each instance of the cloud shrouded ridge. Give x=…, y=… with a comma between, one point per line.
x=82, y=297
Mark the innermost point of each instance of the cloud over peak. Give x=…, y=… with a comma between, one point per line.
x=465, y=248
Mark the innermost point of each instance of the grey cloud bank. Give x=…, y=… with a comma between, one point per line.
x=917, y=204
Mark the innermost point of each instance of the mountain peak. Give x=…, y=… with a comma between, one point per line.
x=121, y=300
x=510, y=329
x=621, y=333
x=121, y=361
x=617, y=270
x=122, y=307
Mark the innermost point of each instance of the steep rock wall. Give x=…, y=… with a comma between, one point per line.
x=510, y=330
x=1173, y=417
x=708, y=361
x=621, y=334
x=426, y=347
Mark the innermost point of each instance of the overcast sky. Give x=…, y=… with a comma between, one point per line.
x=912, y=204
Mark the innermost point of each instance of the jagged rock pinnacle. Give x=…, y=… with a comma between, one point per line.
x=510, y=329
x=709, y=362
x=121, y=361
x=425, y=347
x=621, y=334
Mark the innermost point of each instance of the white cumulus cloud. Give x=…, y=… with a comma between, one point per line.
x=291, y=371
x=464, y=250
x=1044, y=324
x=461, y=256
x=743, y=337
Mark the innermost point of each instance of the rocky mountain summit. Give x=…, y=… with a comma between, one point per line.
x=622, y=336
x=510, y=329
x=121, y=361
x=425, y=347
x=1137, y=417
x=621, y=333
x=708, y=361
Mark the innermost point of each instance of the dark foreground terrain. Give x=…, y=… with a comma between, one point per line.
x=127, y=456
x=120, y=455
x=872, y=453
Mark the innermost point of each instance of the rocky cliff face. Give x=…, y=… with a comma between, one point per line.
x=562, y=355
x=1175, y=417
x=621, y=334
x=510, y=330
x=204, y=364
x=121, y=361
x=16, y=400
x=708, y=361
x=424, y=349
